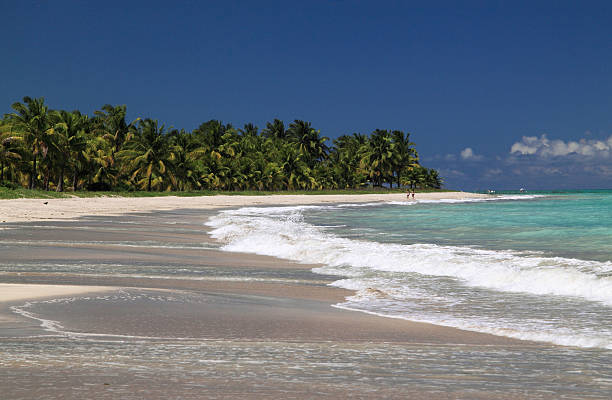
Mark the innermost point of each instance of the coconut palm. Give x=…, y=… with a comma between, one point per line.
x=272, y=177
x=213, y=173
x=9, y=152
x=210, y=134
x=404, y=154
x=309, y=141
x=107, y=152
x=324, y=176
x=67, y=142
x=275, y=130
x=249, y=130
x=31, y=120
x=377, y=157
x=99, y=165
x=185, y=152
x=147, y=155
x=346, y=157
x=112, y=125
x=416, y=177
x=433, y=179
x=233, y=178
x=296, y=173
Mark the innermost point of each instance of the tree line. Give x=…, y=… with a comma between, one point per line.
x=59, y=150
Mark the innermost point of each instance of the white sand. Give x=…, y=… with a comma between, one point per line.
x=10, y=292
x=21, y=210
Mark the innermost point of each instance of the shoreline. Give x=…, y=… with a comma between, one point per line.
x=23, y=210
x=304, y=297
x=232, y=325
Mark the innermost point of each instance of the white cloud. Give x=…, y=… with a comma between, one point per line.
x=544, y=147
x=468, y=154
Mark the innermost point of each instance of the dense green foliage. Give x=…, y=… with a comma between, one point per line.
x=54, y=149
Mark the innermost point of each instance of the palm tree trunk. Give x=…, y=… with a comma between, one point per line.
x=1, y=172
x=60, y=182
x=74, y=181
x=46, y=181
x=149, y=184
x=31, y=184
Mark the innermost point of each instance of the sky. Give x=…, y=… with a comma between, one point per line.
x=495, y=94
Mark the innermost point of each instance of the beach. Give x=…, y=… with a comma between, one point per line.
x=132, y=298
x=336, y=322
x=23, y=210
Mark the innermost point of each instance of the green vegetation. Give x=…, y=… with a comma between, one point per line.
x=53, y=150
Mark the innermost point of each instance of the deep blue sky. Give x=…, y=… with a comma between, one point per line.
x=457, y=75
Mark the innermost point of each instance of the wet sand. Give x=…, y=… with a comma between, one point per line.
x=263, y=297
x=227, y=301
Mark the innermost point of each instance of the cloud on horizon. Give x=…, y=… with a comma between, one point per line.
x=545, y=148
x=468, y=154
x=536, y=162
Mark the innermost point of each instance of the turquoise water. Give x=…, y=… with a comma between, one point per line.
x=576, y=225
x=471, y=265
x=534, y=267
x=404, y=260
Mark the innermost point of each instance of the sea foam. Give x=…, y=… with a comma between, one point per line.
x=282, y=232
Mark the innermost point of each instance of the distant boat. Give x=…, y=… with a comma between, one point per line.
x=491, y=191
x=522, y=190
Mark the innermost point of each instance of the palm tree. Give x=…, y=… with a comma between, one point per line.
x=309, y=141
x=213, y=173
x=79, y=162
x=275, y=130
x=233, y=178
x=99, y=162
x=184, y=153
x=346, y=157
x=32, y=121
x=404, y=154
x=249, y=130
x=230, y=147
x=324, y=176
x=68, y=141
x=433, y=179
x=210, y=134
x=8, y=150
x=147, y=155
x=297, y=129
x=416, y=177
x=272, y=177
x=111, y=124
x=107, y=152
x=377, y=157
x=296, y=172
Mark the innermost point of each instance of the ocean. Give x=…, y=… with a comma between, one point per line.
x=527, y=266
